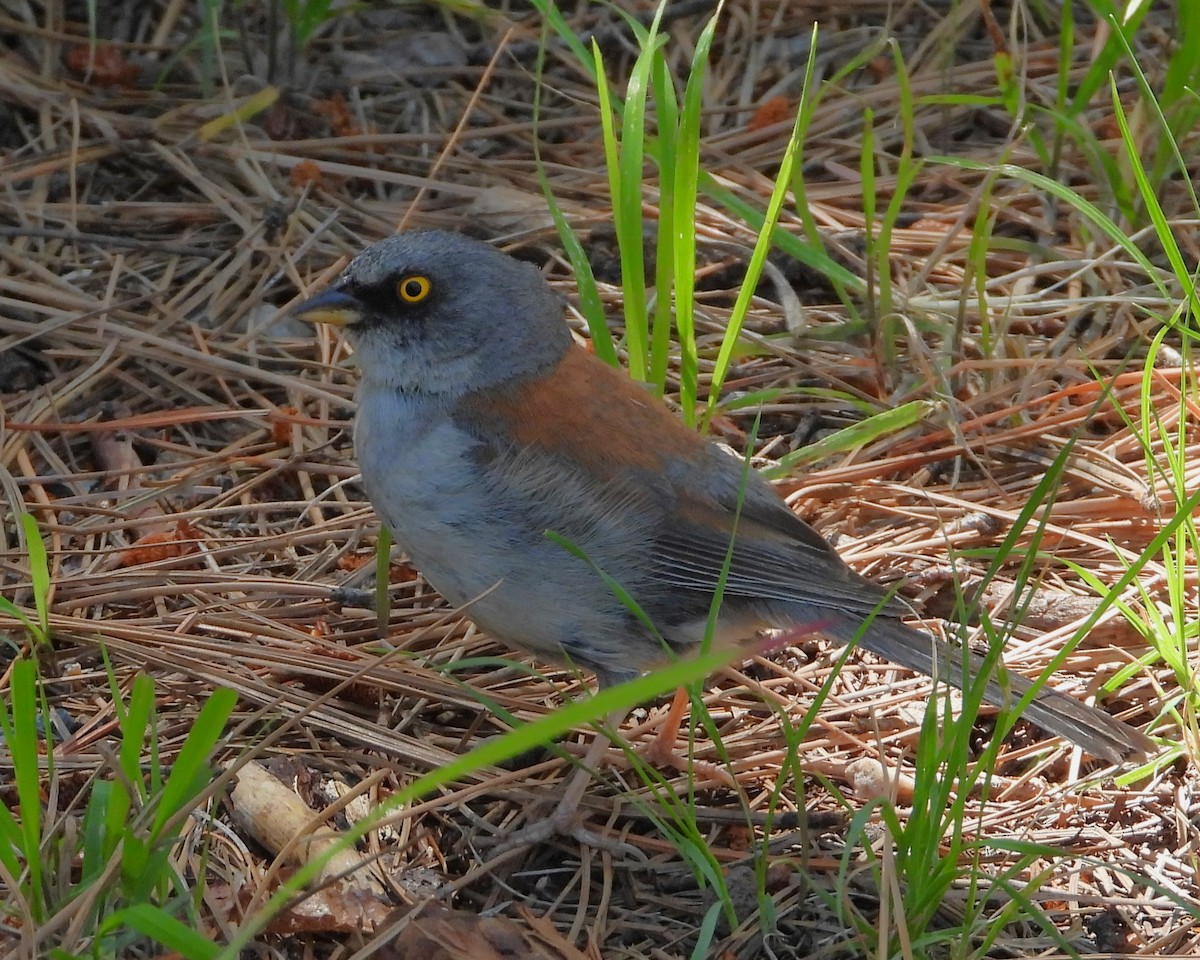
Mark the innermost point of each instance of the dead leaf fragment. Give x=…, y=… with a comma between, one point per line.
x=342, y=122
x=305, y=174
x=336, y=112
x=439, y=933
x=355, y=561
x=727, y=429
x=770, y=112
x=101, y=64
x=881, y=68
x=183, y=541
x=283, y=418
x=332, y=910
x=402, y=573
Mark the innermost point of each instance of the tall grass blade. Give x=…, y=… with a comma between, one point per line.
x=683, y=223
x=766, y=236
x=20, y=733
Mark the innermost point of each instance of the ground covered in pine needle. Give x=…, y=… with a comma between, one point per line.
x=185, y=449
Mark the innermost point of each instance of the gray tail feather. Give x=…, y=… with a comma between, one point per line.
x=1098, y=733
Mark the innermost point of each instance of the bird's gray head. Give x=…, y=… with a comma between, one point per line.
x=441, y=313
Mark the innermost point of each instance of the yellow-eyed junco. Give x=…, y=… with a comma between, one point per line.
x=481, y=426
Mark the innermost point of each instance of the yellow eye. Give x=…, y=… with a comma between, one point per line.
x=413, y=289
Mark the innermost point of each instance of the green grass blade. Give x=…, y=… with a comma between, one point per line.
x=163, y=928
x=23, y=743
x=856, y=435
x=866, y=172
x=7, y=606
x=192, y=770
x=551, y=15
x=669, y=158
x=627, y=209
x=95, y=844
x=766, y=236
x=906, y=172
x=809, y=254
x=543, y=730
x=135, y=726
x=706, y=932
x=1089, y=210
x=683, y=223
x=1130, y=16
x=39, y=572
x=1162, y=228
x=12, y=839
x=590, y=303
x=383, y=577
x=612, y=164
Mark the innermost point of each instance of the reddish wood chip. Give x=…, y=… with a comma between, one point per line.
x=772, y=111
x=305, y=174
x=183, y=541
x=102, y=65
x=283, y=418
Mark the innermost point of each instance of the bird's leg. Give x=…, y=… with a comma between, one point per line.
x=660, y=751
x=564, y=820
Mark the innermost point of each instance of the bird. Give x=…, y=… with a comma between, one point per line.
x=481, y=426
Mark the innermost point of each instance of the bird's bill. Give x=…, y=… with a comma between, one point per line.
x=329, y=306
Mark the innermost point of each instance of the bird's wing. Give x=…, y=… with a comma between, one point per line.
x=633, y=450
x=776, y=555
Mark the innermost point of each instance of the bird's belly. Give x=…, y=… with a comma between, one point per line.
x=475, y=549
x=418, y=477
